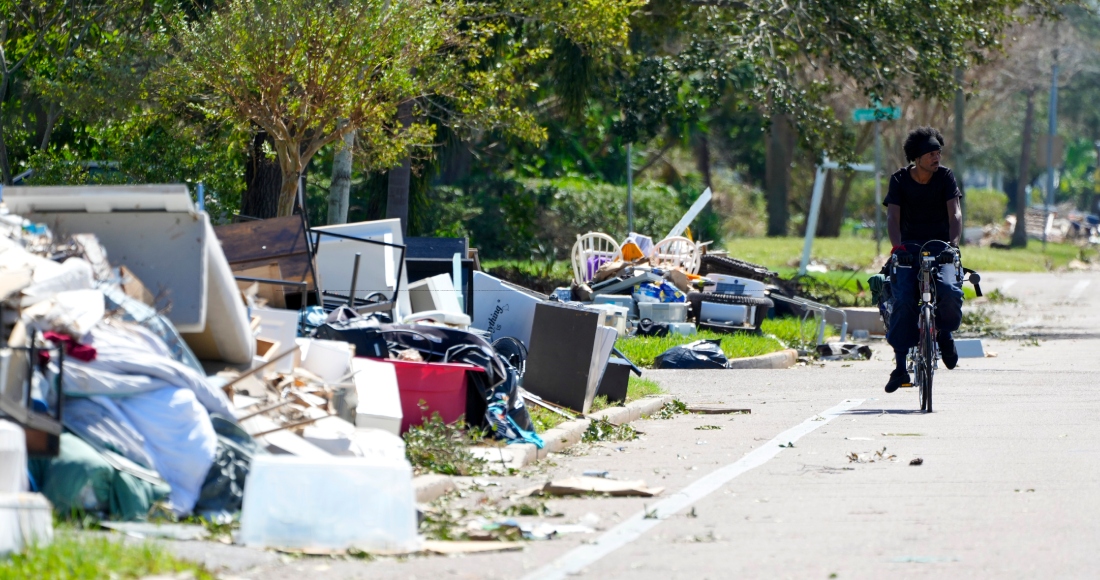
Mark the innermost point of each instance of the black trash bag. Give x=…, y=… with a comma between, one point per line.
x=223, y=489
x=701, y=354
x=646, y=327
x=364, y=332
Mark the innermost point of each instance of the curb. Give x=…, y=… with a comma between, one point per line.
x=432, y=486
x=429, y=487
x=783, y=359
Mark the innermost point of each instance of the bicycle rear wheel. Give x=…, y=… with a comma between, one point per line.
x=926, y=360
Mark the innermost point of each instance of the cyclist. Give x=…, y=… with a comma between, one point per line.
x=922, y=204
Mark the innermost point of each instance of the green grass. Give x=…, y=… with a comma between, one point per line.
x=782, y=254
x=642, y=350
x=637, y=388
x=76, y=556
x=793, y=331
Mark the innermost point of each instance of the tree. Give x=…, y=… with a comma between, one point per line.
x=295, y=67
x=84, y=58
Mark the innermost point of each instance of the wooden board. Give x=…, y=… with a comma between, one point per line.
x=274, y=294
x=256, y=244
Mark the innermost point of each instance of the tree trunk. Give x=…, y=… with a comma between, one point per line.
x=264, y=180
x=53, y=113
x=5, y=163
x=828, y=222
x=1019, y=235
x=340, y=188
x=702, y=157
x=397, y=195
x=778, y=173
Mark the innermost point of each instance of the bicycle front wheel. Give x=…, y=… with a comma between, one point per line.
x=926, y=362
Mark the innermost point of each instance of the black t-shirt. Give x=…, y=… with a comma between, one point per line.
x=923, y=205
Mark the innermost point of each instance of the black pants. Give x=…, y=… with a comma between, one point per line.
x=903, y=333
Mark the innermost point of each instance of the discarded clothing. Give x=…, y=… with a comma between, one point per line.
x=504, y=427
x=130, y=309
x=80, y=480
x=80, y=352
x=132, y=360
x=701, y=354
x=166, y=402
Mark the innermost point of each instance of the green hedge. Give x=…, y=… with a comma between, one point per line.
x=530, y=218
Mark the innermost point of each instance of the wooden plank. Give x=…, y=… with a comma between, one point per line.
x=255, y=244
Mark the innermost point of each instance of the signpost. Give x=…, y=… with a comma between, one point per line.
x=876, y=115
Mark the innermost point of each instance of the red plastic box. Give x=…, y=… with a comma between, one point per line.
x=442, y=387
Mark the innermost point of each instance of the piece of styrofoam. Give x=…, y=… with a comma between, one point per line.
x=330, y=503
x=13, y=458
x=969, y=348
x=329, y=359
x=279, y=326
x=504, y=309
x=25, y=519
x=378, y=265
x=379, y=400
x=434, y=293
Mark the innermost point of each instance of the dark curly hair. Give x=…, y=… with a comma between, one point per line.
x=918, y=137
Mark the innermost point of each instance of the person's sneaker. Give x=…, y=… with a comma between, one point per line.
x=898, y=378
x=948, y=353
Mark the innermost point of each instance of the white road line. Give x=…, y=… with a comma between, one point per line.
x=1078, y=288
x=1008, y=284
x=633, y=527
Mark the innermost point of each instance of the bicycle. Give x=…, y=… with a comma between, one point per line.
x=924, y=357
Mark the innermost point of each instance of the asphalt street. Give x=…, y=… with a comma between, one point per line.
x=1006, y=488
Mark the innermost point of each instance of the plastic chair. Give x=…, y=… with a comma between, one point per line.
x=590, y=252
x=677, y=252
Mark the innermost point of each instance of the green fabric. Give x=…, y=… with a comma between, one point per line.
x=80, y=480
x=875, y=283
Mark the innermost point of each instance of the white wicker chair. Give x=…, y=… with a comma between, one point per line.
x=677, y=252
x=592, y=245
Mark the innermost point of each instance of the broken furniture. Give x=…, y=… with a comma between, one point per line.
x=349, y=257
x=282, y=241
x=568, y=355
x=591, y=251
x=157, y=233
x=678, y=253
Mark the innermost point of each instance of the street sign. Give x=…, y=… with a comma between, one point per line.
x=876, y=114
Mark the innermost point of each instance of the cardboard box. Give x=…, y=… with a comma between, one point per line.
x=379, y=401
x=504, y=309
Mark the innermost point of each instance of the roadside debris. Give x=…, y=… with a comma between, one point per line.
x=595, y=485
x=871, y=457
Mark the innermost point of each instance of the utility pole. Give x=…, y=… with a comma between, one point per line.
x=960, y=148
x=629, y=189
x=1051, y=129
